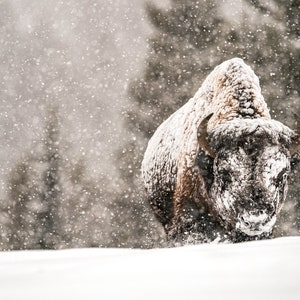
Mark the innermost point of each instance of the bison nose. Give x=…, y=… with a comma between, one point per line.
x=254, y=219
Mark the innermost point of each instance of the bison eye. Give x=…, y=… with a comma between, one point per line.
x=281, y=178
x=225, y=179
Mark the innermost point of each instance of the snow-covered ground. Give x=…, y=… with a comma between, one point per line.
x=253, y=270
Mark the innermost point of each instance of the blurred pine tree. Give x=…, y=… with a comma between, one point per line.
x=48, y=217
x=52, y=203
x=32, y=207
x=18, y=222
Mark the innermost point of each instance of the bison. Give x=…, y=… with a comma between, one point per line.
x=217, y=169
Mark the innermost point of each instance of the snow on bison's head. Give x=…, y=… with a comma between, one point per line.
x=250, y=167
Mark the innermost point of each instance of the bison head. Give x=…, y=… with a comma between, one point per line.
x=251, y=164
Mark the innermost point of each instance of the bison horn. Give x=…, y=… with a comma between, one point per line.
x=203, y=136
x=296, y=144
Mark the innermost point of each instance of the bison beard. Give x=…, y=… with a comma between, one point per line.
x=217, y=168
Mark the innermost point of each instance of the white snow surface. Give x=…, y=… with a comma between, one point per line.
x=267, y=269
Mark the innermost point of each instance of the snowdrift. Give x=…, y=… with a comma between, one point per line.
x=253, y=270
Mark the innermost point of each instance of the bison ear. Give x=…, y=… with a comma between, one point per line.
x=203, y=137
x=295, y=146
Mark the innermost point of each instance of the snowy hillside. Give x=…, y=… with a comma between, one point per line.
x=253, y=270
